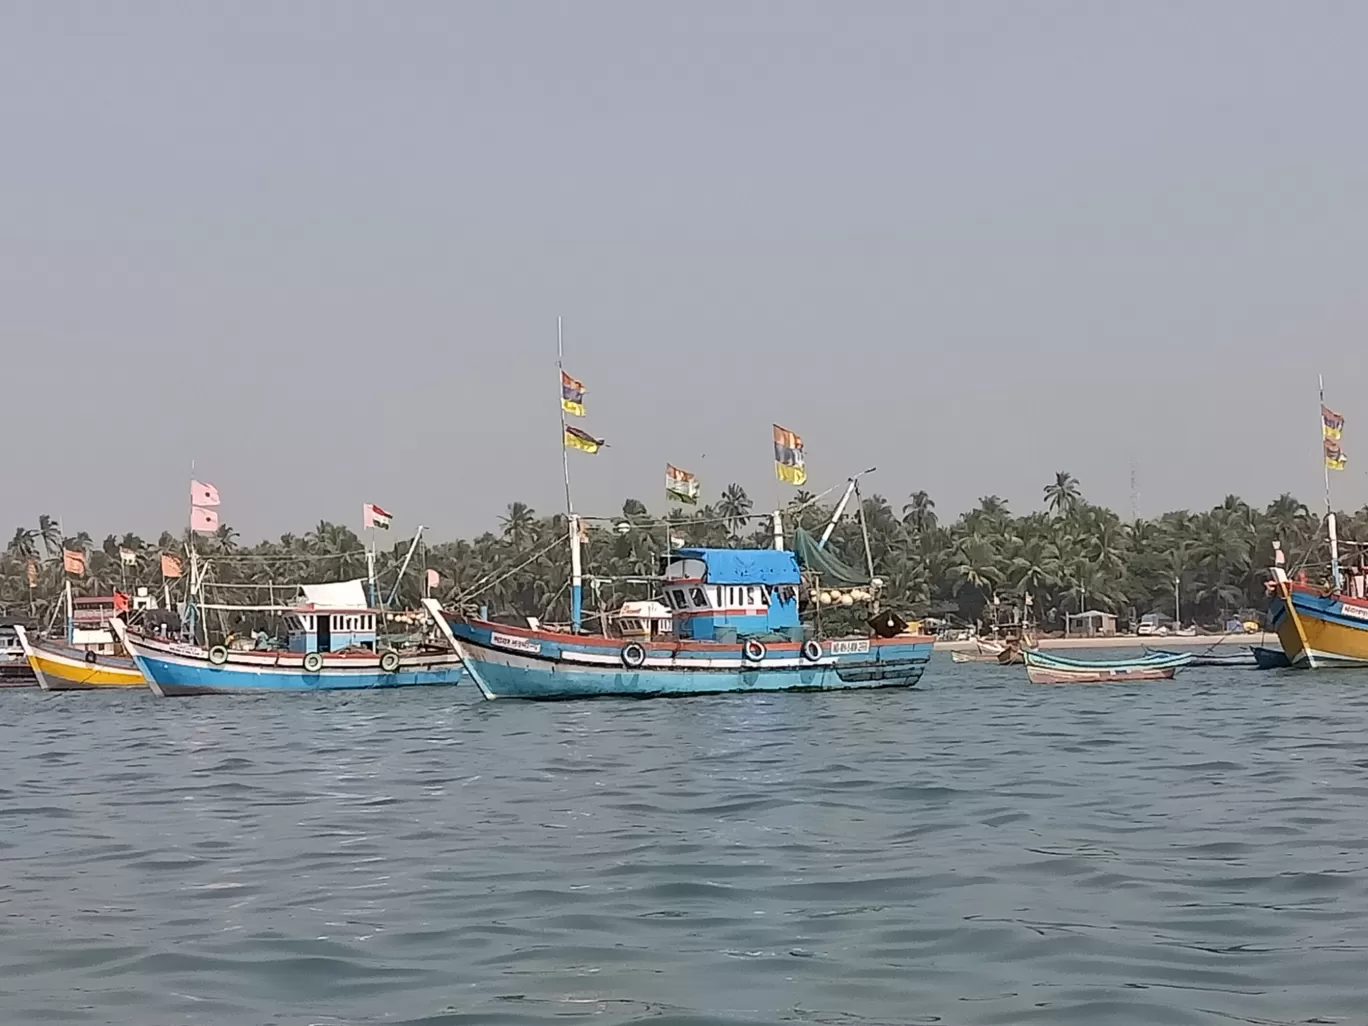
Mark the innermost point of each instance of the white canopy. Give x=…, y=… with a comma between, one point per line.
x=340, y=595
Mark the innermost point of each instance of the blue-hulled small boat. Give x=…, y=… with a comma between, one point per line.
x=732, y=626
x=328, y=649
x=1212, y=658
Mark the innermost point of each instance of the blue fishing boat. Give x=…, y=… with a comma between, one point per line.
x=329, y=646
x=730, y=623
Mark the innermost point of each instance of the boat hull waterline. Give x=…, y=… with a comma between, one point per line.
x=516, y=662
x=173, y=669
x=61, y=667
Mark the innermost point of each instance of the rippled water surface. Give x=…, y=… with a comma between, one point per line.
x=977, y=851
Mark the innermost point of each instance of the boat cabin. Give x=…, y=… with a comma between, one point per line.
x=725, y=594
x=329, y=630
x=643, y=621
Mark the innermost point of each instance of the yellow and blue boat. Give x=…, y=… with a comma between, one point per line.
x=60, y=666
x=1319, y=626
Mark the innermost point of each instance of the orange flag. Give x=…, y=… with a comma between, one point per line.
x=73, y=561
x=171, y=566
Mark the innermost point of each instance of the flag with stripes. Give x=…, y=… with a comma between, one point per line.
x=788, y=456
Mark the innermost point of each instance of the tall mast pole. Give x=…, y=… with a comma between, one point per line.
x=191, y=608
x=572, y=521
x=1329, y=511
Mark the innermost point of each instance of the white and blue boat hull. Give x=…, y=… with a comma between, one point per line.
x=173, y=669
x=520, y=663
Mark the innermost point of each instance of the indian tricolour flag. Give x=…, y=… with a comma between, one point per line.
x=373, y=516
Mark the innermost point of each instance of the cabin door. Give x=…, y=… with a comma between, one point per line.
x=325, y=634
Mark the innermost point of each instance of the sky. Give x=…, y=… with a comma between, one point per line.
x=318, y=250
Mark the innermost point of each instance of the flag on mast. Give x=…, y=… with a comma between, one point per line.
x=582, y=440
x=373, y=516
x=127, y=557
x=1334, y=455
x=74, y=562
x=1332, y=427
x=202, y=494
x=32, y=573
x=1332, y=423
x=681, y=485
x=170, y=565
x=572, y=395
x=203, y=521
x=788, y=457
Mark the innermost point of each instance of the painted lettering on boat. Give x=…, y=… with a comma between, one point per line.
x=1354, y=612
x=519, y=644
x=849, y=647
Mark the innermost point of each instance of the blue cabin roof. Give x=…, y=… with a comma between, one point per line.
x=743, y=566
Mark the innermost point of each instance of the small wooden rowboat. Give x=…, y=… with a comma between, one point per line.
x=1047, y=668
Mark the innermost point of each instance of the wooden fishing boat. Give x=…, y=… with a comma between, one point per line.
x=1049, y=668
x=87, y=655
x=1322, y=625
x=62, y=666
x=1270, y=658
x=734, y=627
x=329, y=647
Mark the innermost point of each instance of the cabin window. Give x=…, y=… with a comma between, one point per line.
x=699, y=599
x=680, y=601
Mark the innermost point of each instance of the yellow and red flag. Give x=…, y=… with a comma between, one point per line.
x=788, y=456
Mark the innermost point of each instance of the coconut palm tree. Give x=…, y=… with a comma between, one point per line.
x=50, y=534
x=734, y=508
x=24, y=543
x=1062, y=496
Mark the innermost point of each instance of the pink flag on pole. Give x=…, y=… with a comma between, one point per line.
x=202, y=494
x=433, y=578
x=205, y=521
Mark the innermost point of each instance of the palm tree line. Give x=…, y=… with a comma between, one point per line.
x=1065, y=556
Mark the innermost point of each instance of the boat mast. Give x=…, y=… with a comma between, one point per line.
x=572, y=521
x=190, y=608
x=1329, y=512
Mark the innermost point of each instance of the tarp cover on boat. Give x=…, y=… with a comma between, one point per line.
x=745, y=566
x=824, y=562
x=340, y=595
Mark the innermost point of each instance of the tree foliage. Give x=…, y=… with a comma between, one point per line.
x=1067, y=554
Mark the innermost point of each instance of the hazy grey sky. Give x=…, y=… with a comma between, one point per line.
x=320, y=248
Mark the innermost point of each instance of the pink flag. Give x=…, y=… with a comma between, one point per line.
x=202, y=494
x=205, y=521
x=433, y=578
